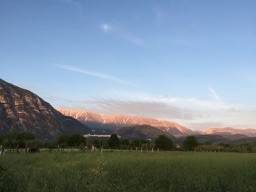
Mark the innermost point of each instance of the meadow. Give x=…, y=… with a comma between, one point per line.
x=128, y=171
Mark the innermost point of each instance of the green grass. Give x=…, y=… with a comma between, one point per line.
x=128, y=171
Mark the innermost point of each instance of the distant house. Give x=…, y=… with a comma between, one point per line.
x=96, y=136
x=178, y=146
x=99, y=136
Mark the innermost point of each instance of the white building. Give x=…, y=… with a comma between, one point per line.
x=99, y=136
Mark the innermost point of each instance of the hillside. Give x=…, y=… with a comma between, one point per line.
x=22, y=110
x=141, y=132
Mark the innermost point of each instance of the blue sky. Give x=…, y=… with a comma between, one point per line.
x=193, y=59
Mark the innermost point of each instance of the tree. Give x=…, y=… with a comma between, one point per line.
x=71, y=140
x=17, y=140
x=190, y=143
x=62, y=140
x=33, y=146
x=76, y=140
x=97, y=143
x=24, y=138
x=114, y=142
x=162, y=142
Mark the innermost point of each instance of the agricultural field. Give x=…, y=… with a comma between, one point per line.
x=128, y=171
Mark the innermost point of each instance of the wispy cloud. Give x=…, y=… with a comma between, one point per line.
x=192, y=112
x=148, y=108
x=105, y=27
x=71, y=2
x=214, y=94
x=124, y=34
x=160, y=13
x=93, y=74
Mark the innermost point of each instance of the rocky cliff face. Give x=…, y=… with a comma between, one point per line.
x=22, y=110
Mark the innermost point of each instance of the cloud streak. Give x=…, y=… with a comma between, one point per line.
x=75, y=3
x=123, y=34
x=214, y=94
x=93, y=74
x=154, y=109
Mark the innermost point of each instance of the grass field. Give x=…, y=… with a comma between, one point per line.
x=128, y=171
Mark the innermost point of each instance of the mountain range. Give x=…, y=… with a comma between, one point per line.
x=231, y=131
x=115, y=123
x=141, y=127
x=22, y=110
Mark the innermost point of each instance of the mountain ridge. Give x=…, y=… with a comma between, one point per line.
x=23, y=111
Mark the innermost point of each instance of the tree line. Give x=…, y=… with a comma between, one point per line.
x=28, y=143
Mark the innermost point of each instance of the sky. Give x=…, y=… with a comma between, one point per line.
x=190, y=61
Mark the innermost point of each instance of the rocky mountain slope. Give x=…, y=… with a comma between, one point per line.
x=22, y=110
x=112, y=123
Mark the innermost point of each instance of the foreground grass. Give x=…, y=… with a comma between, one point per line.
x=128, y=171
